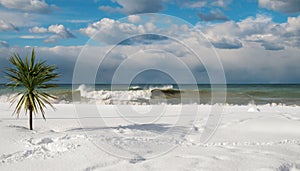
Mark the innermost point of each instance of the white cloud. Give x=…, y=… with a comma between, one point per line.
x=134, y=18
x=111, y=31
x=197, y=4
x=293, y=26
x=37, y=6
x=7, y=26
x=4, y=43
x=32, y=37
x=135, y=7
x=223, y=35
x=221, y=3
x=60, y=33
x=38, y=30
x=21, y=19
x=227, y=35
x=59, y=30
x=261, y=30
x=150, y=27
x=286, y=6
x=52, y=39
x=255, y=25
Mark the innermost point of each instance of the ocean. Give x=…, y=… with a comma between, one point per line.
x=145, y=94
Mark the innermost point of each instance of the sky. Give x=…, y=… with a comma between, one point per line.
x=157, y=41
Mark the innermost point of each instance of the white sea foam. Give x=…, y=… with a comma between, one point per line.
x=6, y=97
x=165, y=87
x=114, y=97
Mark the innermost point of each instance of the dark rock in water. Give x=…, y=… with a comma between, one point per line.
x=76, y=96
x=69, y=96
x=167, y=93
x=137, y=159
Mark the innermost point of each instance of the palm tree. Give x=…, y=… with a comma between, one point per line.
x=32, y=76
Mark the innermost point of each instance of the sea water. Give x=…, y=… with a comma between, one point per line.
x=145, y=94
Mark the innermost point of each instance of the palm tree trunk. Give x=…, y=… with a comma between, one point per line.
x=30, y=119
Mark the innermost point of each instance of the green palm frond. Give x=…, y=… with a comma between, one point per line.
x=33, y=76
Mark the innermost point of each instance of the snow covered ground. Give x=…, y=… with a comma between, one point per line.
x=248, y=138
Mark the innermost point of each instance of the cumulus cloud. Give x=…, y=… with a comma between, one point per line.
x=285, y=6
x=221, y=3
x=212, y=15
x=37, y=6
x=4, y=43
x=112, y=31
x=223, y=35
x=134, y=18
x=59, y=30
x=7, y=26
x=60, y=33
x=135, y=7
x=38, y=30
x=276, y=36
x=260, y=29
x=256, y=25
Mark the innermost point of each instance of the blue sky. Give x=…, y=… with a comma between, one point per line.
x=237, y=29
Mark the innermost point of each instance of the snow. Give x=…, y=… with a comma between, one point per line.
x=265, y=137
x=253, y=109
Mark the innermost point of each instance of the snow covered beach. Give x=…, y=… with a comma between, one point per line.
x=150, y=85
x=249, y=137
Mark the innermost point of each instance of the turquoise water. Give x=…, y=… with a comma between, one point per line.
x=288, y=94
